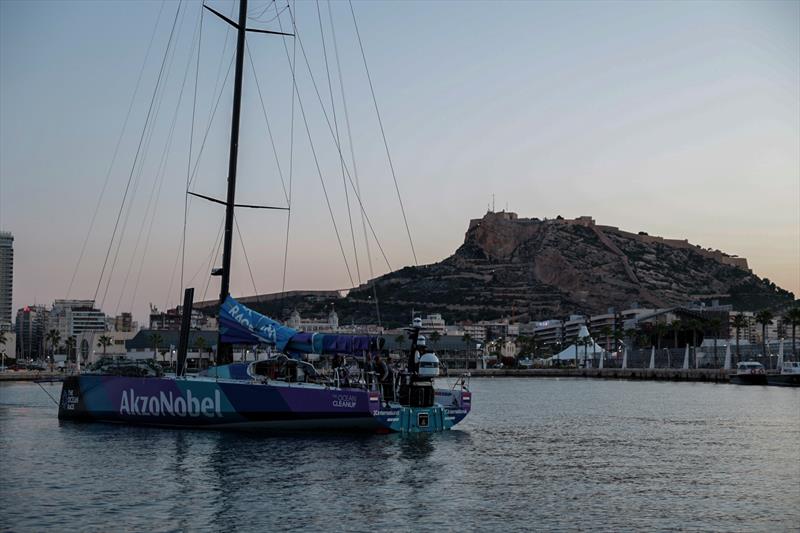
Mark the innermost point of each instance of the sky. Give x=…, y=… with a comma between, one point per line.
x=681, y=119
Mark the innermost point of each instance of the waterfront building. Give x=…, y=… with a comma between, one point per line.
x=90, y=349
x=434, y=322
x=171, y=320
x=477, y=332
x=549, y=332
x=73, y=317
x=6, y=278
x=124, y=322
x=30, y=331
x=9, y=347
x=200, y=351
x=329, y=325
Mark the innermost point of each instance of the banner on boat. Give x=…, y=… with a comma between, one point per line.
x=241, y=325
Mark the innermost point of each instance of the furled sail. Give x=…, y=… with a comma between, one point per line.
x=241, y=325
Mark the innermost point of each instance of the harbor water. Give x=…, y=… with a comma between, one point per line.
x=544, y=454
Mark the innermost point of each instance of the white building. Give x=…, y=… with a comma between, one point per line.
x=9, y=347
x=331, y=325
x=73, y=317
x=434, y=322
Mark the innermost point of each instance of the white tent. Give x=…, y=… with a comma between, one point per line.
x=569, y=353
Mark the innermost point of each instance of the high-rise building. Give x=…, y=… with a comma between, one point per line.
x=30, y=328
x=6, y=278
x=73, y=317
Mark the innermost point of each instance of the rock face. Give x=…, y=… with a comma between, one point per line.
x=534, y=269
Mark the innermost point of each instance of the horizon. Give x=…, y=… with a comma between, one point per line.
x=689, y=130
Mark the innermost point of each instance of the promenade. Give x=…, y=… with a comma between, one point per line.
x=712, y=375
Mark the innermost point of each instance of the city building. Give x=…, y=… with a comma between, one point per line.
x=31, y=325
x=8, y=348
x=433, y=323
x=90, y=348
x=124, y=322
x=329, y=325
x=6, y=278
x=73, y=317
x=171, y=320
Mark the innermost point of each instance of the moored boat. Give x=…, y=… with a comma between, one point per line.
x=789, y=375
x=749, y=373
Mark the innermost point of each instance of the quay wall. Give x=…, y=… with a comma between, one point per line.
x=709, y=375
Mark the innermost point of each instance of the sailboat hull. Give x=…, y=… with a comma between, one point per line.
x=235, y=404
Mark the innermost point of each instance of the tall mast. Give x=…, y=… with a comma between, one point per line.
x=224, y=350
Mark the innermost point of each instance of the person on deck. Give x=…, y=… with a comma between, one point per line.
x=384, y=376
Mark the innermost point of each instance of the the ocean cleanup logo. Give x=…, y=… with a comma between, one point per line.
x=267, y=331
x=169, y=404
x=344, y=400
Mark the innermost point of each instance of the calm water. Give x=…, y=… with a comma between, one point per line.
x=534, y=454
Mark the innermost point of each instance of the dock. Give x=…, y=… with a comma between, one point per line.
x=32, y=376
x=706, y=375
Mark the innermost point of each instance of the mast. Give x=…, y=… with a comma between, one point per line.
x=224, y=350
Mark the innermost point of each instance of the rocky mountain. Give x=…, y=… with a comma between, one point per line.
x=534, y=269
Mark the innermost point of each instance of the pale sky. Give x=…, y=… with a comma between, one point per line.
x=680, y=119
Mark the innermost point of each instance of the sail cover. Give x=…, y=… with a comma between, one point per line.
x=241, y=325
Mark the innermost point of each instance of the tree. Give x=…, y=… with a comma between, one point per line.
x=715, y=324
x=606, y=333
x=765, y=319
x=200, y=345
x=661, y=330
x=676, y=326
x=155, y=340
x=104, y=342
x=70, y=343
x=400, y=339
x=694, y=325
x=435, y=338
x=739, y=322
x=53, y=337
x=792, y=317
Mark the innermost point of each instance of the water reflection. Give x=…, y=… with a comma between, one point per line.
x=534, y=453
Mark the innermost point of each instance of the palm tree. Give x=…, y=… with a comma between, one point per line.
x=661, y=330
x=200, y=344
x=104, y=342
x=53, y=337
x=676, y=326
x=606, y=332
x=715, y=324
x=792, y=317
x=739, y=322
x=70, y=343
x=400, y=339
x=156, y=339
x=765, y=319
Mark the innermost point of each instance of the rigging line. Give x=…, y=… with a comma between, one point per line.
x=338, y=142
x=138, y=179
x=330, y=129
x=191, y=143
x=246, y=260
x=269, y=128
x=291, y=160
x=353, y=160
x=316, y=162
x=383, y=133
x=116, y=151
x=208, y=127
x=160, y=170
x=214, y=256
x=210, y=255
x=141, y=139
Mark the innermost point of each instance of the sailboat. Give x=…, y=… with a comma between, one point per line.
x=283, y=392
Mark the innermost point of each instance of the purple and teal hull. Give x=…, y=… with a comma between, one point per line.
x=203, y=402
